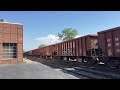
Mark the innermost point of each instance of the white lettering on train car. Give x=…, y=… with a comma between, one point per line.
x=116, y=39
x=108, y=40
x=109, y=44
x=117, y=44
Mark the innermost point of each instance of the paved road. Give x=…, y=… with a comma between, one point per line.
x=31, y=71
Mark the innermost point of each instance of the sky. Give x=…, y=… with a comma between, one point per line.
x=42, y=27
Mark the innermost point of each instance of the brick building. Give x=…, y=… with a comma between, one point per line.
x=11, y=43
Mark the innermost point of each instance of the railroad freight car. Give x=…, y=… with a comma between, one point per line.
x=109, y=42
x=82, y=49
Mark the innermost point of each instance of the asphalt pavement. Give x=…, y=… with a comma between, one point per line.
x=31, y=71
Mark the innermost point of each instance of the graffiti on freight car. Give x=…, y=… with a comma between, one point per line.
x=94, y=43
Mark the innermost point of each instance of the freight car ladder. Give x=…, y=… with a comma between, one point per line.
x=93, y=52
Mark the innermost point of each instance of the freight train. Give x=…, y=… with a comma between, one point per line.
x=93, y=49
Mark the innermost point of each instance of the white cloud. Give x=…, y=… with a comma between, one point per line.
x=77, y=36
x=48, y=40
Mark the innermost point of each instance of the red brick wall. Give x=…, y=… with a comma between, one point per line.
x=11, y=33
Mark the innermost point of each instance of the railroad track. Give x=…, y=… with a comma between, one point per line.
x=91, y=74
x=75, y=73
x=110, y=75
x=86, y=73
x=83, y=72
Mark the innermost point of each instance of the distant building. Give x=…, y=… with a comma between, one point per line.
x=11, y=42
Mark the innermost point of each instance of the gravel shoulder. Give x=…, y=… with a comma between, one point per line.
x=28, y=61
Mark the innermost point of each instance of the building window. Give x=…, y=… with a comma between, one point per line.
x=9, y=50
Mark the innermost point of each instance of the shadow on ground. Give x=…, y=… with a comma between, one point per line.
x=61, y=64
x=55, y=63
x=58, y=64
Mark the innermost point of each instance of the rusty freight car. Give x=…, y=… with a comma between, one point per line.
x=83, y=48
x=109, y=42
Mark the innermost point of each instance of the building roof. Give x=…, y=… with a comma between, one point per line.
x=10, y=22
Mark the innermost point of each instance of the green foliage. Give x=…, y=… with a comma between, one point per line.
x=67, y=34
x=42, y=45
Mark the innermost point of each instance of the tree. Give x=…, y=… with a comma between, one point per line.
x=42, y=45
x=67, y=34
